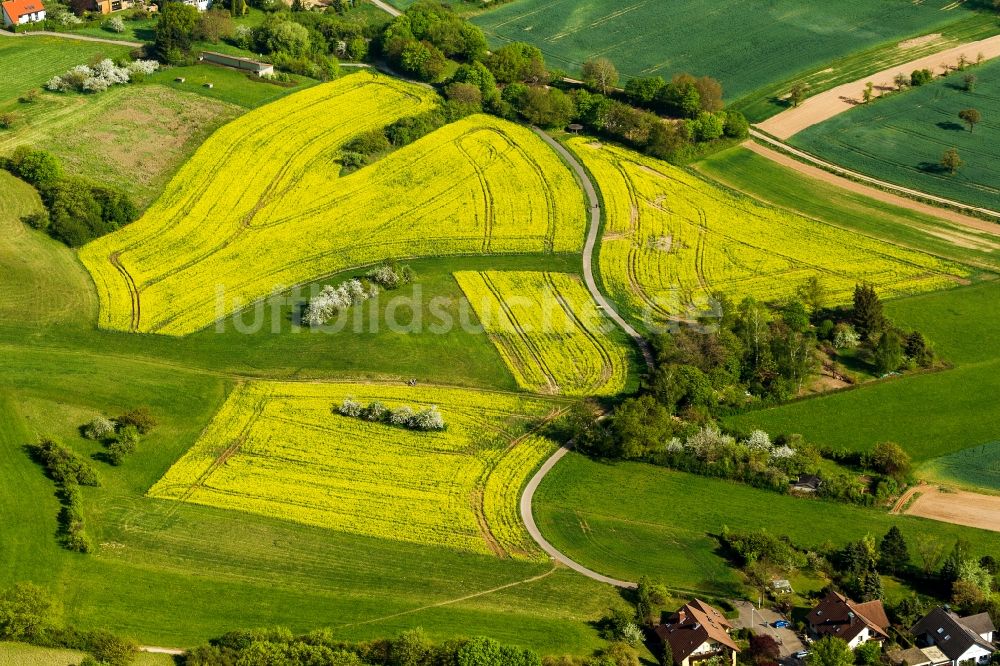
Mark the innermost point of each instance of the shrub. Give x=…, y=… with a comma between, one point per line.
x=114, y=24
x=351, y=407
x=38, y=220
x=376, y=411
x=427, y=419
x=62, y=465
x=8, y=119
x=401, y=416
x=99, y=428
x=389, y=276
x=140, y=418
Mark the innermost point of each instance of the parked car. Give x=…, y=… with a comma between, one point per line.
x=782, y=624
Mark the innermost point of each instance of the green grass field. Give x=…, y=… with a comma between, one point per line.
x=28, y=62
x=634, y=519
x=932, y=414
x=18, y=654
x=901, y=138
x=975, y=467
x=175, y=574
x=132, y=136
x=743, y=170
x=765, y=42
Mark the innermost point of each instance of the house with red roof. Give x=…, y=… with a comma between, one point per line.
x=20, y=12
x=698, y=632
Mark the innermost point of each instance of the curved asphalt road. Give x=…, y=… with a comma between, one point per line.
x=527, y=516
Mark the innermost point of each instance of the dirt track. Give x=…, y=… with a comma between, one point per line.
x=827, y=104
x=959, y=508
x=872, y=192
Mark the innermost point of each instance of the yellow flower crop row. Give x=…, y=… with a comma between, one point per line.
x=548, y=331
x=261, y=207
x=672, y=240
x=282, y=450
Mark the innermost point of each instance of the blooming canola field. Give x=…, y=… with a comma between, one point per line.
x=283, y=450
x=261, y=206
x=548, y=331
x=672, y=241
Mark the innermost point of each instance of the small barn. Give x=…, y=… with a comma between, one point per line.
x=236, y=62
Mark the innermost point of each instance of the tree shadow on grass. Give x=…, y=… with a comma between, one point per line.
x=950, y=126
x=933, y=168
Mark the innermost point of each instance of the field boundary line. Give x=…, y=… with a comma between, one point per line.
x=449, y=602
x=875, y=188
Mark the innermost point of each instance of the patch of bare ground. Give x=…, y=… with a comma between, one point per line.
x=957, y=507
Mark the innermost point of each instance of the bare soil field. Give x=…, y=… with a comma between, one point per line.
x=959, y=508
x=827, y=104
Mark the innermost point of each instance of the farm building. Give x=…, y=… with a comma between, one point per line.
x=697, y=632
x=855, y=623
x=962, y=639
x=21, y=12
x=245, y=64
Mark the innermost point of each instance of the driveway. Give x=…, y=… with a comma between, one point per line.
x=762, y=622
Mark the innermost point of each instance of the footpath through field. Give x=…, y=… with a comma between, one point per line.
x=846, y=179
x=825, y=105
x=70, y=35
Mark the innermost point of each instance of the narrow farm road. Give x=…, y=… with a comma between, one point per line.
x=386, y=7
x=529, y=522
x=527, y=515
x=588, y=248
x=845, y=178
x=70, y=35
x=155, y=649
x=827, y=104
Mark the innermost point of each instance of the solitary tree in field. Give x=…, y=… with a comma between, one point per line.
x=970, y=117
x=869, y=92
x=951, y=161
x=797, y=94
x=600, y=74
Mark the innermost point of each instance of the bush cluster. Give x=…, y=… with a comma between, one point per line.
x=404, y=416
x=28, y=614
x=332, y=300
x=77, y=210
x=69, y=471
x=100, y=77
x=120, y=436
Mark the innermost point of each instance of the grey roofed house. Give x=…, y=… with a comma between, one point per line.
x=954, y=636
x=807, y=483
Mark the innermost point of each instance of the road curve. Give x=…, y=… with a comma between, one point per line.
x=527, y=515
x=849, y=175
x=529, y=522
x=591, y=244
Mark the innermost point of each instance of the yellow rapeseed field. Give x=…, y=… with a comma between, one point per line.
x=261, y=207
x=548, y=331
x=672, y=240
x=282, y=450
